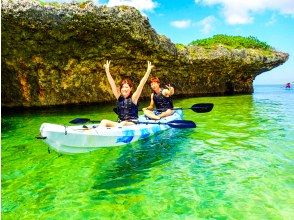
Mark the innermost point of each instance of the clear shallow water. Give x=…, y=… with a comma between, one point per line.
x=237, y=164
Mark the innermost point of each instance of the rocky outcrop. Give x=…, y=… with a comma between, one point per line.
x=54, y=54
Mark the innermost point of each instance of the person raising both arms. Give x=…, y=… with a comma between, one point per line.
x=161, y=98
x=127, y=102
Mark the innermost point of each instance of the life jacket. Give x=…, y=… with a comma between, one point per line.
x=127, y=110
x=162, y=103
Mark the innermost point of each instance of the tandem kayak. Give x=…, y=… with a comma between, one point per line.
x=82, y=139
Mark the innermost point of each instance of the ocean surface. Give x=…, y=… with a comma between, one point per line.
x=237, y=164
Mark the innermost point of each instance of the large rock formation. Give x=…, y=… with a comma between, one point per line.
x=54, y=55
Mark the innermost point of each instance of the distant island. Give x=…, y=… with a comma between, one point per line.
x=53, y=54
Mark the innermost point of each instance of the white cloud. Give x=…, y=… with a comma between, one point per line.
x=141, y=5
x=206, y=24
x=283, y=6
x=181, y=23
x=241, y=11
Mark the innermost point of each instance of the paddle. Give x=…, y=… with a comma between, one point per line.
x=82, y=121
x=199, y=108
x=172, y=124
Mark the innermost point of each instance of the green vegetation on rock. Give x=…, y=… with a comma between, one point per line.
x=232, y=42
x=180, y=46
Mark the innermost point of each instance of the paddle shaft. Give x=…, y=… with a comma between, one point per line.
x=199, y=108
x=173, y=124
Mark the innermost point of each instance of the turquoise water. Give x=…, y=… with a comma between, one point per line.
x=237, y=164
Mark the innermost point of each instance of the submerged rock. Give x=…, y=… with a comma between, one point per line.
x=54, y=55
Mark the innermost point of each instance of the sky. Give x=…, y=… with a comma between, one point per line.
x=183, y=21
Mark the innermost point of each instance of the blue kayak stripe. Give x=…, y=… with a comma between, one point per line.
x=144, y=133
x=127, y=138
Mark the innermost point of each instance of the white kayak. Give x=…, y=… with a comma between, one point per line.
x=81, y=139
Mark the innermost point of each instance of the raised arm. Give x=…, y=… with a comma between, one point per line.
x=110, y=80
x=138, y=92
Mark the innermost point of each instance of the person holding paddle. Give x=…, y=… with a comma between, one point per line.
x=161, y=98
x=127, y=102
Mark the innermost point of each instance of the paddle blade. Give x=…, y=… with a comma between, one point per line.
x=202, y=107
x=79, y=121
x=181, y=124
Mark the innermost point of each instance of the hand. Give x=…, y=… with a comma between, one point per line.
x=169, y=91
x=169, y=87
x=106, y=65
x=150, y=66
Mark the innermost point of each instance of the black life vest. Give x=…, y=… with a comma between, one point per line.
x=162, y=103
x=127, y=110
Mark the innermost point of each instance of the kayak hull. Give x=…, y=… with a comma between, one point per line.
x=78, y=139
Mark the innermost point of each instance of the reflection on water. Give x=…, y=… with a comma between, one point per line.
x=137, y=159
